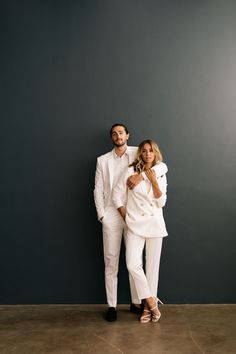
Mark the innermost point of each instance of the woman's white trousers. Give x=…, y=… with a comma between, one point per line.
x=145, y=284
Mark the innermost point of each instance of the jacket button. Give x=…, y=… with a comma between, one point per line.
x=142, y=214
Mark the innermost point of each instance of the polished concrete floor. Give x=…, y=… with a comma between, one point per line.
x=67, y=329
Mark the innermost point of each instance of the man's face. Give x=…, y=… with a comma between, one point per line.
x=119, y=136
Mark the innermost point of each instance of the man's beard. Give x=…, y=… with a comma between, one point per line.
x=119, y=144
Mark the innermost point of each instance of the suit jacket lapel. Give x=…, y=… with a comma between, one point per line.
x=110, y=169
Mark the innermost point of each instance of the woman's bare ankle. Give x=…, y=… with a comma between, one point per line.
x=150, y=302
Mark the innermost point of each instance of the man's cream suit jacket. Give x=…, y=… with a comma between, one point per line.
x=104, y=179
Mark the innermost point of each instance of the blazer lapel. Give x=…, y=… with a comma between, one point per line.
x=110, y=169
x=143, y=186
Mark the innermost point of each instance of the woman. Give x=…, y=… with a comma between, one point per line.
x=141, y=208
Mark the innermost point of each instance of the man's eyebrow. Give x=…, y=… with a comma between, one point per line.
x=118, y=131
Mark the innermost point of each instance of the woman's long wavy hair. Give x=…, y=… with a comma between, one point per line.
x=139, y=164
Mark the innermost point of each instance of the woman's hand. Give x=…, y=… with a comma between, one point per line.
x=151, y=175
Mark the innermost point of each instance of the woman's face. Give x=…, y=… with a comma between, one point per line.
x=147, y=153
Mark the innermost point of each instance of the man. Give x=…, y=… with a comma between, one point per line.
x=109, y=168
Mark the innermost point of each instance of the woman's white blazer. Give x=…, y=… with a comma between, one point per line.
x=144, y=214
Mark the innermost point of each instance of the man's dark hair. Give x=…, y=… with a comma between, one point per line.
x=120, y=125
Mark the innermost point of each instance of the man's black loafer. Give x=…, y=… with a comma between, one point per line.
x=136, y=309
x=111, y=314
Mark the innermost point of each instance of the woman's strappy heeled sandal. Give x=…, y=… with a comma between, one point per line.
x=146, y=316
x=155, y=317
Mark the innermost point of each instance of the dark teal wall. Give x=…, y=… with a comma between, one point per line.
x=69, y=70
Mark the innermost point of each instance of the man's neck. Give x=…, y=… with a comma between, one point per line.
x=120, y=150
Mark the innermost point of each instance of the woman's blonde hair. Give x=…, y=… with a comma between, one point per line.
x=138, y=163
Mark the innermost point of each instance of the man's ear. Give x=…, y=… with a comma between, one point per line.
x=127, y=138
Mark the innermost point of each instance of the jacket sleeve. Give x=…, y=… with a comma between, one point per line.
x=99, y=197
x=160, y=169
x=119, y=193
x=161, y=201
